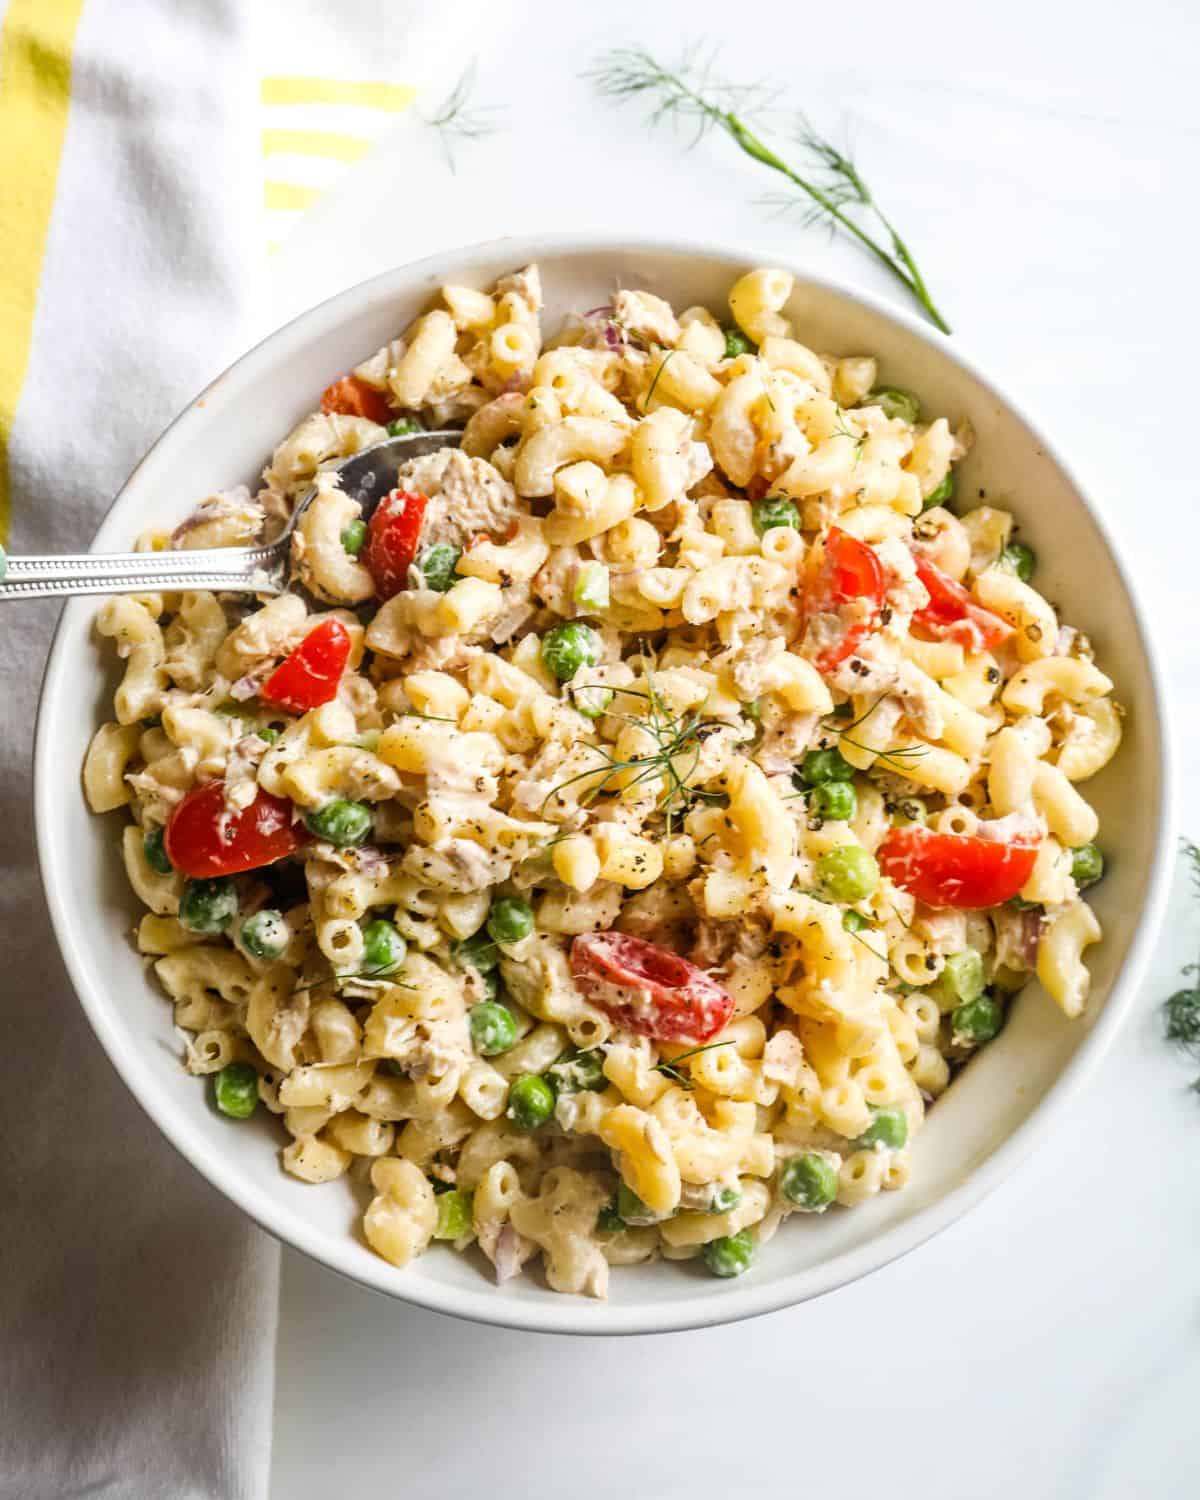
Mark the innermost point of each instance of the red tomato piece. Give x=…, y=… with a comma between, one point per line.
x=955, y=869
x=352, y=397
x=204, y=839
x=649, y=989
x=392, y=536
x=848, y=586
x=952, y=615
x=310, y=675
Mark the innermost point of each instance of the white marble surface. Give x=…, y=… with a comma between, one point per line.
x=1042, y=157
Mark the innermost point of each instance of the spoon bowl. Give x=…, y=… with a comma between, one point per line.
x=366, y=476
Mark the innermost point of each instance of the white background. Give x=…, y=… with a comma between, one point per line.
x=1042, y=159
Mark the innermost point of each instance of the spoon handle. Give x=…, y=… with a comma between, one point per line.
x=252, y=570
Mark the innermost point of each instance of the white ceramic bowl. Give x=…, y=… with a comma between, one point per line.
x=980, y=1129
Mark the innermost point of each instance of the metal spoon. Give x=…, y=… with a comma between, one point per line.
x=366, y=477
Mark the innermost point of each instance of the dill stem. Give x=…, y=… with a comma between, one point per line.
x=752, y=146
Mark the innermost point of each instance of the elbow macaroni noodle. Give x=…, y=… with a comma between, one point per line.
x=632, y=474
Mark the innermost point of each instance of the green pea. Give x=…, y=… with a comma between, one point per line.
x=476, y=952
x=854, y=921
x=578, y=1072
x=1087, y=865
x=592, y=700
x=724, y=1197
x=265, y=934
x=269, y=733
x=403, y=426
x=631, y=1208
x=888, y=1127
x=609, y=1221
x=977, y=1021
x=235, y=1089
x=810, y=1181
x=894, y=402
x=453, y=1214
x=438, y=565
x=772, y=511
x=208, y=905
x=384, y=950
x=730, y=1255
x=834, y=800
x=962, y=978
x=340, y=823
x=510, y=919
x=941, y=494
x=353, y=537
x=530, y=1101
x=848, y=873
x=820, y=766
x=591, y=587
x=156, y=855
x=1019, y=559
x=568, y=647
x=911, y=810
x=493, y=1028
x=736, y=343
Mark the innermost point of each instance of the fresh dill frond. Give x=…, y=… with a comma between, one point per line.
x=377, y=971
x=668, y=1065
x=674, y=736
x=1183, y=1015
x=830, y=185
x=658, y=376
x=459, y=120
x=859, y=439
x=1182, y=1011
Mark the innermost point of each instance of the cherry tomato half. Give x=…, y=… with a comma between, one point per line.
x=955, y=869
x=393, y=533
x=848, y=586
x=310, y=675
x=649, y=989
x=352, y=397
x=952, y=615
x=204, y=839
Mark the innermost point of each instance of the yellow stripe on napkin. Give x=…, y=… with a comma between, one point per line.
x=35, y=70
x=334, y=144
x=368, y=93
x=313, y=128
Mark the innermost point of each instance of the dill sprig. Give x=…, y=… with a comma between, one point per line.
x=1182, y=1010
x=674, y=735
x=832, y=188
x=376, y=971
x=900, y=756
x=859, y=439
x=658, y=376
x=667, y=1065
x=459, y=119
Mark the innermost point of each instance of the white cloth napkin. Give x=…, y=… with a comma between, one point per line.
x=137, y=1309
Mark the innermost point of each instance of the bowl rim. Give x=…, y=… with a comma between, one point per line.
x=559, y=1314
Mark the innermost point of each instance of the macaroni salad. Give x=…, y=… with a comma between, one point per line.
x=639, y=817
